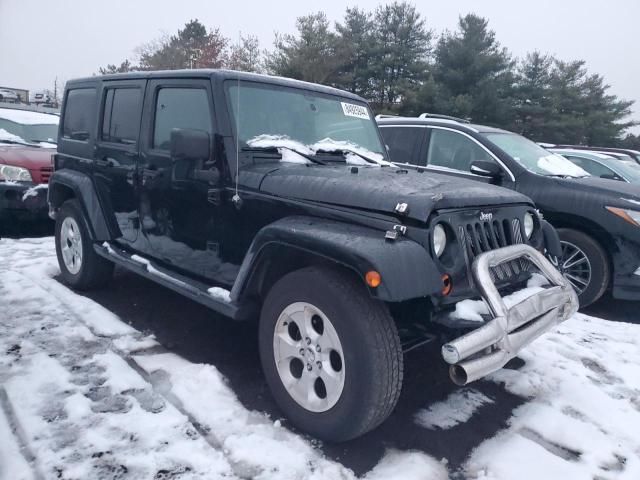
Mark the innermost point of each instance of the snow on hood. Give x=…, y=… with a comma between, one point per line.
x=558, y=165
x=285, y=145
x=27, y=117
x=4, y=135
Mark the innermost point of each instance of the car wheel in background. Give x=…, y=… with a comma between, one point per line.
x=584, y=264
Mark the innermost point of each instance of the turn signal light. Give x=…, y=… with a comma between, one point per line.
x=447, y=284
x=373, y=279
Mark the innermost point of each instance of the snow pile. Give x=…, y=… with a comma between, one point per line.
x=288, y=148
x=10, y=137
x=220, y=294
x=458, y=408
x=583, y=413
x=27, y=117
x=33, y=191
x=558, y=165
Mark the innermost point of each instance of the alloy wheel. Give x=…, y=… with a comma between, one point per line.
x=575, y=266
x=71, y=245
x=309, y=357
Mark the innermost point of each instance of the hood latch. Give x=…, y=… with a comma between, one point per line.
x=393, y=235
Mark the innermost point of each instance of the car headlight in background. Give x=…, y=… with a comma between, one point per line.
x=529, y=224
x=631, y=216
x=439, y=240
x=14, y=174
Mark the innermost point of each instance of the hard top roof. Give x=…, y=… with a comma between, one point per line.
x=219, y=74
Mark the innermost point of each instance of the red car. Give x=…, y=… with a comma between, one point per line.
x=27, y=143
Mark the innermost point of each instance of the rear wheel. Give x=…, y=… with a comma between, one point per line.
x=584, y=264
x=81, y=267
x=330, y=353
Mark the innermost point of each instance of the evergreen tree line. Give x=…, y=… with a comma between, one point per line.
x=393, y=59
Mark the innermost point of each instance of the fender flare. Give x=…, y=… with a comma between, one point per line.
x=85, y=192
x=551, y=239
x=405, y=266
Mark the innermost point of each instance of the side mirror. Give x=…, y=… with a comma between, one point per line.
x=187, y=144
x=486, y=169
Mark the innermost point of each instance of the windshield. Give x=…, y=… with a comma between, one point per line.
x=21, y=126
x=533, y=157
x=270, y=115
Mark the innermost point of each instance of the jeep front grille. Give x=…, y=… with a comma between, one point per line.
x=480, y=237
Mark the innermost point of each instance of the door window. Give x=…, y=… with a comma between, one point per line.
x=453, y=150
x=186, y=108
x=403, y=143
x=121, y=119
x=79, y=112
x=592, y=167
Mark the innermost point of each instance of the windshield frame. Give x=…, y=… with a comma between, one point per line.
x=229, y=83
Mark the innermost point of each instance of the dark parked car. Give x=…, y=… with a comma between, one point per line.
x=598, y=220
x=624, y=153
x=602, y=165
x=27, y=143
x=272, y=198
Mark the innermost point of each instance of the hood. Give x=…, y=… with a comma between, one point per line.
x=376, y=188
x=31, y=158
x=613, y=189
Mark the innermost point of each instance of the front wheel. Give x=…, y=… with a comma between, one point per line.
x=330, y=353
x=584, y=264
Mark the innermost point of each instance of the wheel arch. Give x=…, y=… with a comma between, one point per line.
x=288, y=244
x=66, y=184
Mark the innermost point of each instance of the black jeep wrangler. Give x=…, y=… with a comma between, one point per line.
x=269, y=198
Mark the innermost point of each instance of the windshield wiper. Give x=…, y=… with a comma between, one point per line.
x=274, y=149
x=343, y=151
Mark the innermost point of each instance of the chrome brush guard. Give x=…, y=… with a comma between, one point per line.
x=491, y=346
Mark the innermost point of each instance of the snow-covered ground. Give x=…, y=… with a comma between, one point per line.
x=84, y=395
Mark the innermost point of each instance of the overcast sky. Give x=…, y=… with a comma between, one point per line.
x=42, y=39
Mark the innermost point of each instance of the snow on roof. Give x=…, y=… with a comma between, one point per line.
x=27, y=117
x=582, y=152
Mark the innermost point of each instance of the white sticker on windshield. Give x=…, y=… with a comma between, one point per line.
x=357, y=111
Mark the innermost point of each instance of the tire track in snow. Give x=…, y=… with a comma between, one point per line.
x=154, y=381
x=108, y=342
x=19, y=435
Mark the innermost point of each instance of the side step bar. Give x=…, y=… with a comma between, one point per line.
x=188, y=287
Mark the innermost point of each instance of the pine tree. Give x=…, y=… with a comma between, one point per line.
x=474, y=73
x=246, y=56
x=401, y=45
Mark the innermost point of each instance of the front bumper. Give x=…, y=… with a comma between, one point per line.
x=491, y=346
x=23, y=201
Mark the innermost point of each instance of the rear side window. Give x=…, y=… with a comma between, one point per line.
x=453, y=150
x=186, y=108
x=121, y=119
x=79, y=113
x=403, y=143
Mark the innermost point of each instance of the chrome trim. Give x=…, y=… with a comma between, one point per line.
x=436, y=167
x=496, y=342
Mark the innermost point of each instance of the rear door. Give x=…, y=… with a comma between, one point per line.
x=179, y=215
x=117, y=152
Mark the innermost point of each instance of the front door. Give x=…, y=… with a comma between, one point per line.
x=117, y=152
x=179, y=215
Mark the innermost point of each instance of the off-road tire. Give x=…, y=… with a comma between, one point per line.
x=95, y=271
x=372, y=352
x=598, y=259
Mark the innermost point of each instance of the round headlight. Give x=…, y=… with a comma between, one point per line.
x=439, y=240
x=528, y=224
